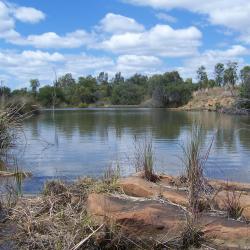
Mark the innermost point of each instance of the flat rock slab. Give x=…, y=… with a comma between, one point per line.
x=157, y=220
x=139, y=216
x=139, y=187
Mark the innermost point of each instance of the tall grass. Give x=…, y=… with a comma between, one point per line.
x=144, y=159
x=232, y=203
x=195, y=160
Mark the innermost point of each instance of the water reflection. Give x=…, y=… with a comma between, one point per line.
x=90, y=140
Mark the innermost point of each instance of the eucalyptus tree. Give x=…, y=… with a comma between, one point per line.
x=219, y=74
x=230, y=74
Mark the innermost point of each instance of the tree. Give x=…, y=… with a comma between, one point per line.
x=202, y=76
x=5, y=91
x=245, y=87
x=245, y=75
x=118, y=79
x=219, y=74
x=126, y=94
x=49, y=96
x=102, y=78
x=230, y=73
x=34, y=84
x=65, y=81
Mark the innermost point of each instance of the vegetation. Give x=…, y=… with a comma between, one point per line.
x=232, y=203
x=144, y=159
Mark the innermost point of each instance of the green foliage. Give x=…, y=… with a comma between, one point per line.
x=219, y=74
x=230, y=74
x=127, y=94
x=49, y=96
x=202, y=76
x=34, y=84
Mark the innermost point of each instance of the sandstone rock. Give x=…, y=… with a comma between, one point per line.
x=149, y=218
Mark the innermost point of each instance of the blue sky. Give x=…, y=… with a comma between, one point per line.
x=131, y=36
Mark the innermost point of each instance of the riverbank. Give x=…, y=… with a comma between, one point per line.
x=220, y=100
x=127, y=213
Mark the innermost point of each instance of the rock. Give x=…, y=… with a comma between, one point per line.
x=137, y=216
x=149, y=218
x=138, y=187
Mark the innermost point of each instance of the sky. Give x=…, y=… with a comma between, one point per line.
x=82, y=37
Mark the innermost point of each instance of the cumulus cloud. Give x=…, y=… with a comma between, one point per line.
x=28, y=15
x=114, y=23
x=231, y=14
x=74, y=39
x=210, y=57
x=161, y=40
x=9, y=13
x=131, y=64
x=28, y=64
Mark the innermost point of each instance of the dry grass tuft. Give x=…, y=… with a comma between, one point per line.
x=144, y=159
x=58, y=220
x=232, y=204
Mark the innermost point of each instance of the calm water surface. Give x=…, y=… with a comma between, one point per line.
x=73, y=143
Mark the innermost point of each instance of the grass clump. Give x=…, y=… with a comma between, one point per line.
x=144, y=160
x=232, y=204
x=194, y=161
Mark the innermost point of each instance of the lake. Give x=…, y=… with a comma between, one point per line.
x=68, y=144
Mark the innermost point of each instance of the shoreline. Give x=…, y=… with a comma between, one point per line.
x=133, y=204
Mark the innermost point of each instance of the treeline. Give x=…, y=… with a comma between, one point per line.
x=160, y=90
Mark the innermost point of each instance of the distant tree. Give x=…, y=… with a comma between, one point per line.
x=230, y=73
x=5, y=91
x=212, y=83
x=172, y=77
x=118, y=79
x=219, y=74
x=50, y=95
x=202, y=76
x=21, y=92
x=34, y=84
x=65, y=81
x=189, y=81
x=126, y=94
x=245, y=75
x=102, y=78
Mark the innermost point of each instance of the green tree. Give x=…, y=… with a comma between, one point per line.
x=34, y=84
x=230, y=74
x=50, y=95
x=118, y=79
x=219, y=74
x=102, y=78
x=202, y=76
x=245, y=75
x=65, y=81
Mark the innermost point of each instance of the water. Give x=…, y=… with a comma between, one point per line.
x=75, y=143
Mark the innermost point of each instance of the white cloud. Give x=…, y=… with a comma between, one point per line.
x=9, y=13
x=22, y=66
x=114, y=23
x=75, y=39
x=161, y=40
x=6, y=21
x=28, y=15
x=131, y=64
x=231, y=14
x=210, y=57
x=166, y=17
